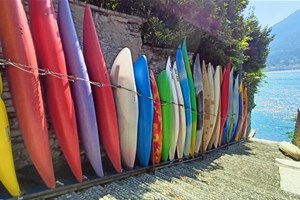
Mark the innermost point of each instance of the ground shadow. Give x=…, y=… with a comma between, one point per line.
x=30, y=181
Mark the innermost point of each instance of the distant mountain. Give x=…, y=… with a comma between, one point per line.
x=285, y=48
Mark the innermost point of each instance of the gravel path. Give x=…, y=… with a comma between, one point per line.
x=243, y=171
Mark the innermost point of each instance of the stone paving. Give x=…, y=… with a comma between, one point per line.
x=243, y=171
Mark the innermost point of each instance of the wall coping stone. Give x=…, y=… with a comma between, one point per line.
x=105, y=12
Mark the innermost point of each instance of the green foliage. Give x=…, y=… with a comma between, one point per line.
x=159, y=35
x=290, y=134
x=107, y=4
x=215, y=29
x=252, y=81
x=257, y=52
x=255, y=57
x=296, y=135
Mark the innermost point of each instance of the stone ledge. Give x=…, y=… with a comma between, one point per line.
x=289, y=175
x=263, y=141
x=288, y=163
x=130, y=18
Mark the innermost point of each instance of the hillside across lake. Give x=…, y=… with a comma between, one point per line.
x=284, y=50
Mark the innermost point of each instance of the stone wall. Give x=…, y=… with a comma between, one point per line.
x=157, y=57
x=115, y=31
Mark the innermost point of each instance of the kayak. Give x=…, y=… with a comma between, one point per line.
x=17, y=45
x=48, y=47
x=7, y=168
x=175, y=111
x=126, y=102
x=192, y=97
x=200, y=102
x=157, y=122
x=103, y=96
x=224, y=100
x=81, y=90
x=186, y=97
x=165, y=93
x=182, y=124
x=146, y=112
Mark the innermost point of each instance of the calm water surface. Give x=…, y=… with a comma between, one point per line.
x=276, y=105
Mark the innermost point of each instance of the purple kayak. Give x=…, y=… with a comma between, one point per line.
x=81, y=90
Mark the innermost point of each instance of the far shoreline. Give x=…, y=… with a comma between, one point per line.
x=273, y=69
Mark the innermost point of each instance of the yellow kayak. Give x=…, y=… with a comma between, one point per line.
x=7, y=168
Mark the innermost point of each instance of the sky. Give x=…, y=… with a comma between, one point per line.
x=270, y=12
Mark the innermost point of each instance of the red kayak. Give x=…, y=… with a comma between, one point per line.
x=50, y=56
x=25, y=87
x=224, y=99
x=157, y=122
x=103, y=96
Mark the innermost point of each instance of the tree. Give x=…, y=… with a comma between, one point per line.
x=255, y=57
x=215, y=29
x=227, y=39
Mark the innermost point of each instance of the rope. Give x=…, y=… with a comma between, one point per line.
x=73, y=78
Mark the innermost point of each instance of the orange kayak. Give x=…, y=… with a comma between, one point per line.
x=157, y=122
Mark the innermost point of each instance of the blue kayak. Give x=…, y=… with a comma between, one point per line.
x=235, y=109
x=240, y=113
x=81, y=90
x=146, y=110
x=186, y=97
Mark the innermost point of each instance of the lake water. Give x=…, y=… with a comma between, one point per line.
x=276, y=105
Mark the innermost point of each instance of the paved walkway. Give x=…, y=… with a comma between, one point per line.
x=289, y=175
x=244, y=171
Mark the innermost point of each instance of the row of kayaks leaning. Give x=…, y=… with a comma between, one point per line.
x=208, y=108
x=138, y=118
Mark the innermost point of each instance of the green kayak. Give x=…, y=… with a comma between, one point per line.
x=164, y=89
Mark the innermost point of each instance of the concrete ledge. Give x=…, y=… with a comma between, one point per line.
x=288, y=163
x=263, y=141
x=289, y=171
